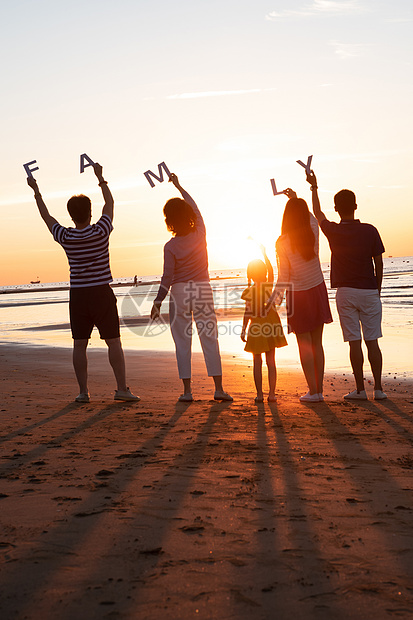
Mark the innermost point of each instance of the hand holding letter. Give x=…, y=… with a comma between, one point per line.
x=311, y=178
x=98, y=170
x=290, y=193
x=31, y=182
x=174, y=179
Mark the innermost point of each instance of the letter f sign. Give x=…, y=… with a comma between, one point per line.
x=29, y=170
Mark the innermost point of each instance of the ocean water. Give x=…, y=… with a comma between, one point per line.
x=38, y=314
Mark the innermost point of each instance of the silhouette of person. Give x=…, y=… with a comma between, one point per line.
x=185, y=273
x=300, y=274
x=265, y=332
x=92, y=301
x=357, y=273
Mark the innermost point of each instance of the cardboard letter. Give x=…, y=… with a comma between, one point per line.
x=28, y=169
x=306, y=166
x=84, y=157
x=148, y=174
x=274, y=188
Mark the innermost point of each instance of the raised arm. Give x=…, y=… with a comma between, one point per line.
x=199, y=221
x=43, y=210
x=311, y=178
x=106, y=193
x=378, y=268
x=270, y=269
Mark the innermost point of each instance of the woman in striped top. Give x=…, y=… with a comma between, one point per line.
x=299, y=273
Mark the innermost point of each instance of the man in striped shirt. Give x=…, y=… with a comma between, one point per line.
x=92, y=301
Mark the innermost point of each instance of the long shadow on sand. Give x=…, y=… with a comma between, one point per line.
x=17, y=460
x=21, y=581
x=384, y=495
x=30, y=427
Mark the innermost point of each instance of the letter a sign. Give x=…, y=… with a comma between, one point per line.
x=84, y=157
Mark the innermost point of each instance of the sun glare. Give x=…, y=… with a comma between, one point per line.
x=235, y=251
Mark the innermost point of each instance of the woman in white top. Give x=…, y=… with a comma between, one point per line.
x=185, y=273
x=300, y=275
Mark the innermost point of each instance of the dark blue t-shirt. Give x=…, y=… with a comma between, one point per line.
x=353, y=245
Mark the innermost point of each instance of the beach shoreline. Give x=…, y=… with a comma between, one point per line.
x=42, y=318
x=206, y=510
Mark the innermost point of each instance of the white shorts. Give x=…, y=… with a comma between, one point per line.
x=357, y=306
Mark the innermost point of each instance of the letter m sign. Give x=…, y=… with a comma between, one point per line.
x=148, y=174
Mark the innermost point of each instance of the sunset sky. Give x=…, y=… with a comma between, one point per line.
x=228, y=93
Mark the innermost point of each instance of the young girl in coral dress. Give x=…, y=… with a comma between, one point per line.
x=265, y=332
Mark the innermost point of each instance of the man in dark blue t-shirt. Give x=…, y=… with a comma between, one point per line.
x=357, y=273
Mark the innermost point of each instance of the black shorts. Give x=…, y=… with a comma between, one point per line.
x=90, y=306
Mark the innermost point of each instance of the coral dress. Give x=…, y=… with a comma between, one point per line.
x=265, y=330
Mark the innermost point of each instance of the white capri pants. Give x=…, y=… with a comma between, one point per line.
x=187, y=300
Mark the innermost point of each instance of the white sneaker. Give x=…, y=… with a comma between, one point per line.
x=354, y=395
x=379, y=395
x=126, y=396
x=310, y=398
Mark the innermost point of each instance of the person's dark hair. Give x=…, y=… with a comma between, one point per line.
x=179, y=216
x=345, y=202
x=80, y=208
x=296, y=224
x=256, y=270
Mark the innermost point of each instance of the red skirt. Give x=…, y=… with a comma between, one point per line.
x=307, y=310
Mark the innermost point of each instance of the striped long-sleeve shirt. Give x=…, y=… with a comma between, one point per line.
x=87, y=250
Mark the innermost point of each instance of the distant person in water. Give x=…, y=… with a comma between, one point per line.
x=300, y=275
x=265, y=332
x=92, y=301
x=357, y=273
x=185, y=273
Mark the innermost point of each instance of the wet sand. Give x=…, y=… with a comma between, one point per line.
x=206, y=510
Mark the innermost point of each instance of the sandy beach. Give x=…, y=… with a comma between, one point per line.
x=207, y=510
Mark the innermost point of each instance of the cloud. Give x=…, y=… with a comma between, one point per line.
x=319, y=7
x=399, y=20
x=219, y=93
x=348, y=50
